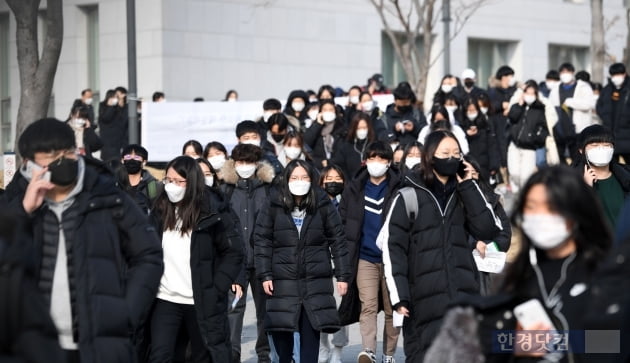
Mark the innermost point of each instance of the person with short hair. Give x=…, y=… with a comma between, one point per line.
x=158, y=97
x=247, y=179
x=98, y=259
x=362, y=210
x=613, y=109
x=114, y=123
x=248, y=132
x=134, y=179
x=86, y=100
x=402, y=118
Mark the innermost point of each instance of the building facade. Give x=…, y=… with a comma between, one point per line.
x=266, y=48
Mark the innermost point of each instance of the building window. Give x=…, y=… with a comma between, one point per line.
x=393, y=71
x=576, y=55
x=93, y=55
x=485, y=56
x=5, y=86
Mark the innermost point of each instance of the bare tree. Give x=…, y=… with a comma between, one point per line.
x=37, y=74
x=415, y=19
x=598, y=45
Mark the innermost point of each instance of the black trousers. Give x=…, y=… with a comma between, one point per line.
x=166, y=321
x=309, y=342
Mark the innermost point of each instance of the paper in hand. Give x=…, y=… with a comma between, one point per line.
x=493, y=262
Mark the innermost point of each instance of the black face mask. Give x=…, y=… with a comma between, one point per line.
x=469, y=83
x=446, y=167
x=277, y=137
x=63, y=171
x=333, y=188
x=133, y=166
x=404, y=109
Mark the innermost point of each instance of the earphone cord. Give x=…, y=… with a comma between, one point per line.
x=553, y=301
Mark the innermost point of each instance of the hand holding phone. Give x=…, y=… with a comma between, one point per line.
x=531, y=314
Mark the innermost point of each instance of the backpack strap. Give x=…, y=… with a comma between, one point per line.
x=410, y=198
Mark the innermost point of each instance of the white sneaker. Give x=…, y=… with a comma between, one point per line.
x=324, y=352
x=366, y=356
x=388, y=359
x=335, y=356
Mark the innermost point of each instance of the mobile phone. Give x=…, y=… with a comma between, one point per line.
x=532, y=312
x=461, y=171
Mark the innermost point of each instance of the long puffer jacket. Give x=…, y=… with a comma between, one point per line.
x=429, y=260
x=616, y=118
x=299, y=264
x=114, y=261
x=529, y=125
x=216, y=258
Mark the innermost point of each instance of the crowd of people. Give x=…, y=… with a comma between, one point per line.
x=329, y=214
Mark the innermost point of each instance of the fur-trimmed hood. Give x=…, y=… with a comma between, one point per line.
x=264, y=172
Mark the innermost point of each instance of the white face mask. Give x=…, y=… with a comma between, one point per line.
x=255, y=142
x=484, y=110
x=245, y=170
x=299, y=187
x=266, y=115
x=450, y=109
x=446, y=88
x=297, y=106
x=618, y=79
x=362, y=134
x=472, y=116
x=174, y=192
x=79, y=122
x=292, y=152
x=368, y=106
x=566, y=77
x=313, y=114
x=600, y=156
x=393, y=146
x=231, y=100
x=354, y=100
x=546, y=231
x=377, y=169
x=551, y=84
x=112, y=101
x=308, y=122
x=217, y=161
x=529, y=99
x=329, y=116
x=88, y=101
x=209, y=180
x=411, y=162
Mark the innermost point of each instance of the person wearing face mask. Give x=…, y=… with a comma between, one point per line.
x=369, y=106
x=609, y=179
x=209, y=175
x=552, y=80
x=247, y=181
x=278, y=129
x=84, y=131
x=449, y=86
x=528, y=132
x=564, y=240
x=501, y=94
x=349, y=153
x=231, y=96
x=402, y=118
x=113, y=121
x=141, y=186
x=354, y=99
x=193, y=149
x=216, y=154
x=427, y=256
x=412, y=156
x=469, y=89
x=203, y=255
x=247, y=132
x=85, y=228
x=270, y=106
x=362, y=211
x=573, y=100
x=324, y=133
x=613, y=109
x=296, y=236
x=87, y=97
x=332, y=180
x=295, y=108
x=481, y=139
x=294, y=149
x=440, y=120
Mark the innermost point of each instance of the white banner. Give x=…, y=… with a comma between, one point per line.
x=166, y=126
